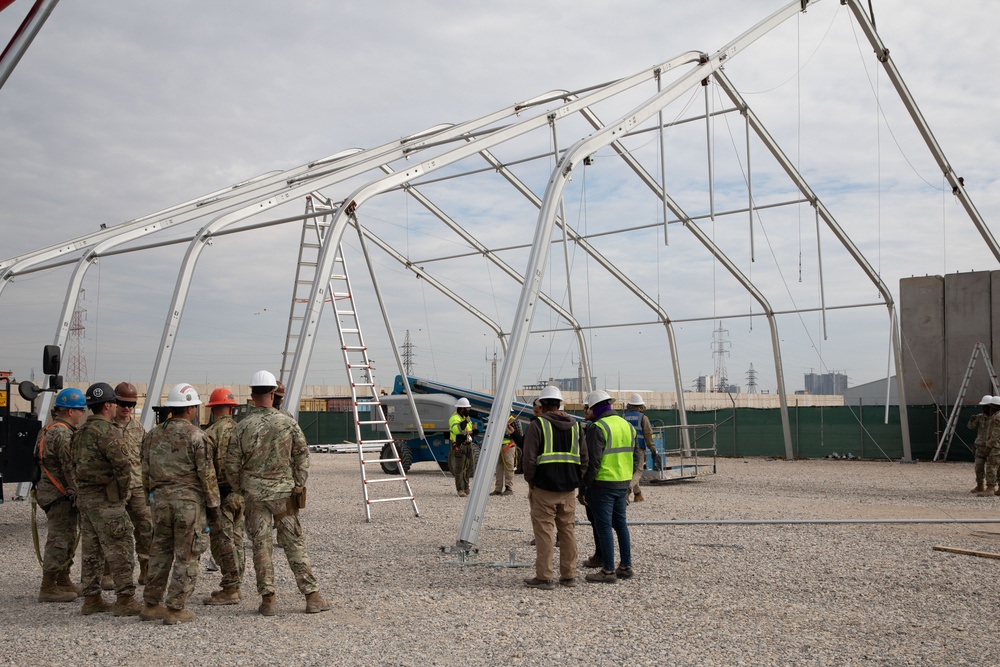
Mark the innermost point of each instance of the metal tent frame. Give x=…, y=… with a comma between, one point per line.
x=431, y=156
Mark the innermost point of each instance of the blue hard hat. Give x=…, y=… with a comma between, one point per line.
x=71, y=398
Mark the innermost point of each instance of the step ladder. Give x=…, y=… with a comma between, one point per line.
x=365, y=403
x=949, y=429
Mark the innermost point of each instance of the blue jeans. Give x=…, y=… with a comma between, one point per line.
x=608, y=509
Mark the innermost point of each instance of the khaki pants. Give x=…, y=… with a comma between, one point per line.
x=504, y=478
x=552, y=513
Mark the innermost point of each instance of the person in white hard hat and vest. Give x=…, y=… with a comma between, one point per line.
x=460, y=435
x=613, y=459
x=268, y=463
x=634, y=415
x=554, y=463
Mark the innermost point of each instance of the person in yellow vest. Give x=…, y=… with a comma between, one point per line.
x=460, y=435
x=513, y=439
x=55, y=493
x=613, y=458
x=554, y=463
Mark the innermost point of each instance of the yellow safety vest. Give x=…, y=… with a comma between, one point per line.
x=548, y=455
x=616, y=459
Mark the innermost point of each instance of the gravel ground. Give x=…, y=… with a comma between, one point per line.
x=703, y=595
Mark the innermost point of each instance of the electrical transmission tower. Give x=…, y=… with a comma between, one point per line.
x=408, y=354
x=719, y=352
x=77, y=369
x=751, y=380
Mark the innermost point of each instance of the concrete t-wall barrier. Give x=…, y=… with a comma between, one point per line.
x=967, y=304
x=921, y=317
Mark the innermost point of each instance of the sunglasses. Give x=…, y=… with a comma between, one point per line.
x=126, y=404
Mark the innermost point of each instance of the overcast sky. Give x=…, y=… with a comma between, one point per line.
x=120, y=109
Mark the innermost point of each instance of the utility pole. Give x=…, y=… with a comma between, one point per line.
x=493, y=374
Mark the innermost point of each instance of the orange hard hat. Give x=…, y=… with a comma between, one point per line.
x=221, y=396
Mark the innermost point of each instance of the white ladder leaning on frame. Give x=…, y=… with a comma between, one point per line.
x=949, y=429
x=364, y=394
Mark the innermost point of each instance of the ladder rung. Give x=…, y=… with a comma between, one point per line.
x=389, y=500
x=374, y=421
x=383, y=480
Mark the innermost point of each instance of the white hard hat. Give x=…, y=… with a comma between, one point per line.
x=995, y=400
x=987, y=400
x=263, y=379
x=462, y=403
x=550, y=393
x=636, y=399
x=597, y=396
x=182, y=396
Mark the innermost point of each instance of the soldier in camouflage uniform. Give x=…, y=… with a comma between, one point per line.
x=103, y=479
x=980, y=424
x=177, y=471
x=227, y=533
x=268, y=463
x=992, y=462
x=138, y=503
x=55, y=493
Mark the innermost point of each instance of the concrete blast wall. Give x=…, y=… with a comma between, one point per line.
x=941, y=320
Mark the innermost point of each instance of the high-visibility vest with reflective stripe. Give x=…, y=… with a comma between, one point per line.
x=507, y=440
x=548, y=455
x=616, y=458
x=453, y=426
x=634, y=417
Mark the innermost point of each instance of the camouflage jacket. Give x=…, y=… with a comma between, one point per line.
x=267, y=455
x=177, y=465
x=980, y=422
x=992, y=431
x=100, y=457
x=57, y=462
x=133, y=433
x=219, y=433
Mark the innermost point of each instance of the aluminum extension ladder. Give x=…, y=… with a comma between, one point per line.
x=949, y=429
x=364, y=394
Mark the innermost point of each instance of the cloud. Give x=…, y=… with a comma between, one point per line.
x=121, y=109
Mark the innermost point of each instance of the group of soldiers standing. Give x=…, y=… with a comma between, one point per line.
x=161, y=497
x=987, y=427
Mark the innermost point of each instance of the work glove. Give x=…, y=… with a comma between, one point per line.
x=233, y=503
x=213, y=515
x=582, y=497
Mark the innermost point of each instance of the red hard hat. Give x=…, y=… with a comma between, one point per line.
x=221, y=396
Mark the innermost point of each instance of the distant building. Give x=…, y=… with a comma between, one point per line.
x=711, y=385
x=564, y=384
x=872, y=393
x=826, y=384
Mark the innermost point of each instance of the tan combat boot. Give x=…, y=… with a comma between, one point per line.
x=268, y=605
x=229, y=595
x=989, y=490
x=94, y=604
x=152, y=612
x=51, y=592
x=979, y=487
x=126, y=605
x=315, y=603
x=64, y=582
x=143, y=569
x=175, y=616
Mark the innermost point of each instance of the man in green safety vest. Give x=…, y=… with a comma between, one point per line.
x=554, y=462
x=614, y=457
x=460, y=434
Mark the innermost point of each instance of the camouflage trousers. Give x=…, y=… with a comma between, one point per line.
x=142, y=521
x=262, y=515
x=62, y=523
x=106, y=534
x=461, y=464
x=987, y=462
x=178, y=542
x=227, y=546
